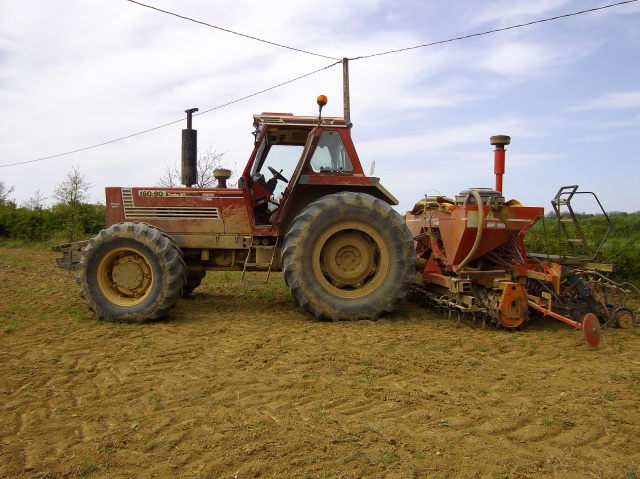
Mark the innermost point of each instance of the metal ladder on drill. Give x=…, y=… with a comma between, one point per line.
x=571, y=238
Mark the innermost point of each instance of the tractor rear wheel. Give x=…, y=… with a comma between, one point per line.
x=131, y=272
x=348, y=256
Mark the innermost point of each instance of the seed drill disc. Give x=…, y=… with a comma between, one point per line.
x=591, y=328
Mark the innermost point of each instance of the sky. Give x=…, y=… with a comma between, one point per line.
x=78, y=73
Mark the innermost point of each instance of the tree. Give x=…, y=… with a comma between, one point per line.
x=4, y=193
x=74, y=190
x=205, y=166
x=36, y=202
x=71, y=194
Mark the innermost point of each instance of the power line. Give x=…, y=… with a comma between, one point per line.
x=493, y=31
x=338, y=61
x=270, y=88
x=176, y=121
x=231, y=31
x=93, y=146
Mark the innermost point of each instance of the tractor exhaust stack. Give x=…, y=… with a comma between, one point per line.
x=499, y=141
x=189, y=152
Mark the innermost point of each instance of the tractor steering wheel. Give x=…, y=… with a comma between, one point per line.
x=277, y=175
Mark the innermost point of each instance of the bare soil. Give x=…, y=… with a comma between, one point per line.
x=239, y=382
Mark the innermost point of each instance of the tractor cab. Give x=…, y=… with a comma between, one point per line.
x=287, y=148
x=276, y=154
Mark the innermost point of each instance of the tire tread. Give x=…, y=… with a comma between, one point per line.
x=292, y=267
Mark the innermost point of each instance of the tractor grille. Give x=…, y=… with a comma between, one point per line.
x=131, y=211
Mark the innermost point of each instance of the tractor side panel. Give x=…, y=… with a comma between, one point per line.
x=192, y=216
x=233, y=207
x=115, y=209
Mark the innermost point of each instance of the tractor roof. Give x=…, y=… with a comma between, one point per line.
x=287, y=119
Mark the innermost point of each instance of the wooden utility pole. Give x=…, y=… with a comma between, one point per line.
x=345, y=85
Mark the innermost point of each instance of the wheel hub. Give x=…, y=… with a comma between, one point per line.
x=125, y=277
x=348, y=259
x=623, y=318
x=127, y=274
x=513, y=308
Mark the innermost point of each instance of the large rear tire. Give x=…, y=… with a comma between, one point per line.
x=131, y=272
x=348, y=256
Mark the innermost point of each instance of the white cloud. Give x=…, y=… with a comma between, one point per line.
x=508, y=12
x=622, y=100
x=517, y=58
x=596, y=138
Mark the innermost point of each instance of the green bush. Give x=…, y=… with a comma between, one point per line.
x=43, y=224
x=621, y=247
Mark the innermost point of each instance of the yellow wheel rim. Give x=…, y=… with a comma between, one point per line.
x=125, y=277
x=350, y=259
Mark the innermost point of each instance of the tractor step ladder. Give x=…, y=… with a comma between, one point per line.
x=251, y=261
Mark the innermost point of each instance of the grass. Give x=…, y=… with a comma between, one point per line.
x=12, y=325
x=388, y=456
x=268, y=294
x=616, y=377
x=87, y=466
x=443, y=423
x=143, y=343
x=346, y=437
x=151, y=445
x=516, y=384
x=100, y=458
x=367, y=375
x=608, y=396
x=633, y=378
x=418, y=454
x=155, y=402
x=257, y=429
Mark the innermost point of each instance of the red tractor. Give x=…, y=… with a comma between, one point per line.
x=303, y=206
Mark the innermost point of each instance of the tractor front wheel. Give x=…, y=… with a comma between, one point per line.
x=348, y=256
x=131, y=272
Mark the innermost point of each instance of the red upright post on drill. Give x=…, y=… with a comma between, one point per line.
x=499, y=141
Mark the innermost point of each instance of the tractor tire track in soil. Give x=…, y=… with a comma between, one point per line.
x=239, y=382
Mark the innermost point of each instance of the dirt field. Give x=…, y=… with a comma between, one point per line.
x=240, y=383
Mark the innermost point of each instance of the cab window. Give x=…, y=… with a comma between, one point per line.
x=330, y=154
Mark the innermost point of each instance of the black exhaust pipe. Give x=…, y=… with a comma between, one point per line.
x=189, y=152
